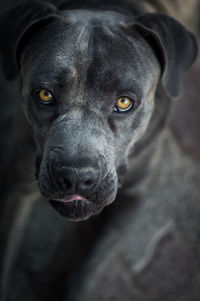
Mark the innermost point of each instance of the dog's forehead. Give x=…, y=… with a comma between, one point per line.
x=87, y=45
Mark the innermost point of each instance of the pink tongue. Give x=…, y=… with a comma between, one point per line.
x=73, y=198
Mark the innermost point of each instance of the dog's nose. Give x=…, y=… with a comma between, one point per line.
x=75, y=180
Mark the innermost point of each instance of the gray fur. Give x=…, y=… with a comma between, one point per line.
x=145, y=245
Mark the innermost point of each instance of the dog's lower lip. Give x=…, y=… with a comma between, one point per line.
x=74, y=197
x=74, y=208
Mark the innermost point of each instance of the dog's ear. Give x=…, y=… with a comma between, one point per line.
x=17, y=25
x=174, y=46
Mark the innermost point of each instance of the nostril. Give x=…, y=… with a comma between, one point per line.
x=67, y=183
x=89, y=183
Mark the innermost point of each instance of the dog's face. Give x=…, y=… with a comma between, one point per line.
x=88, y=91
x=88, y=81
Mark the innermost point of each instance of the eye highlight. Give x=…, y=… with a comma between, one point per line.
x=45, y=96
x=123, y=104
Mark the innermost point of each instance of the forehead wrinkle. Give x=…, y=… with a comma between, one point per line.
x=83, y=35
x=92, y=37
x=84, y=55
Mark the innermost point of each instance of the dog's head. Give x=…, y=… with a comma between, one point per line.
x=88, y=80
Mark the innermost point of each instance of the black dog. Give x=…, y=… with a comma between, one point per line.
x=88, y=76
x=88, y=81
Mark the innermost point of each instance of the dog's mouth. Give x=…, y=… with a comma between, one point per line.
x=71, y=198
x=75, y=207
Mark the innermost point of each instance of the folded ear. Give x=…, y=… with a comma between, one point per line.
x=174, y=46
x=17, y=25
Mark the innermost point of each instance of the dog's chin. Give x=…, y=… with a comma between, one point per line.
x=77, y=208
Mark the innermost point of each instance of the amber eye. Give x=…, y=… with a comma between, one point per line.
x=123, y=104
x=45, y=96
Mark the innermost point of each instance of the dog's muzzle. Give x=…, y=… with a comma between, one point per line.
x=78, y=187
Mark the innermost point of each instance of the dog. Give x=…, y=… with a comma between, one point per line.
x=87, y=74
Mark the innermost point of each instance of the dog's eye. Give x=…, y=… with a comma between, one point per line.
x=45, y=96
x=123, y=104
